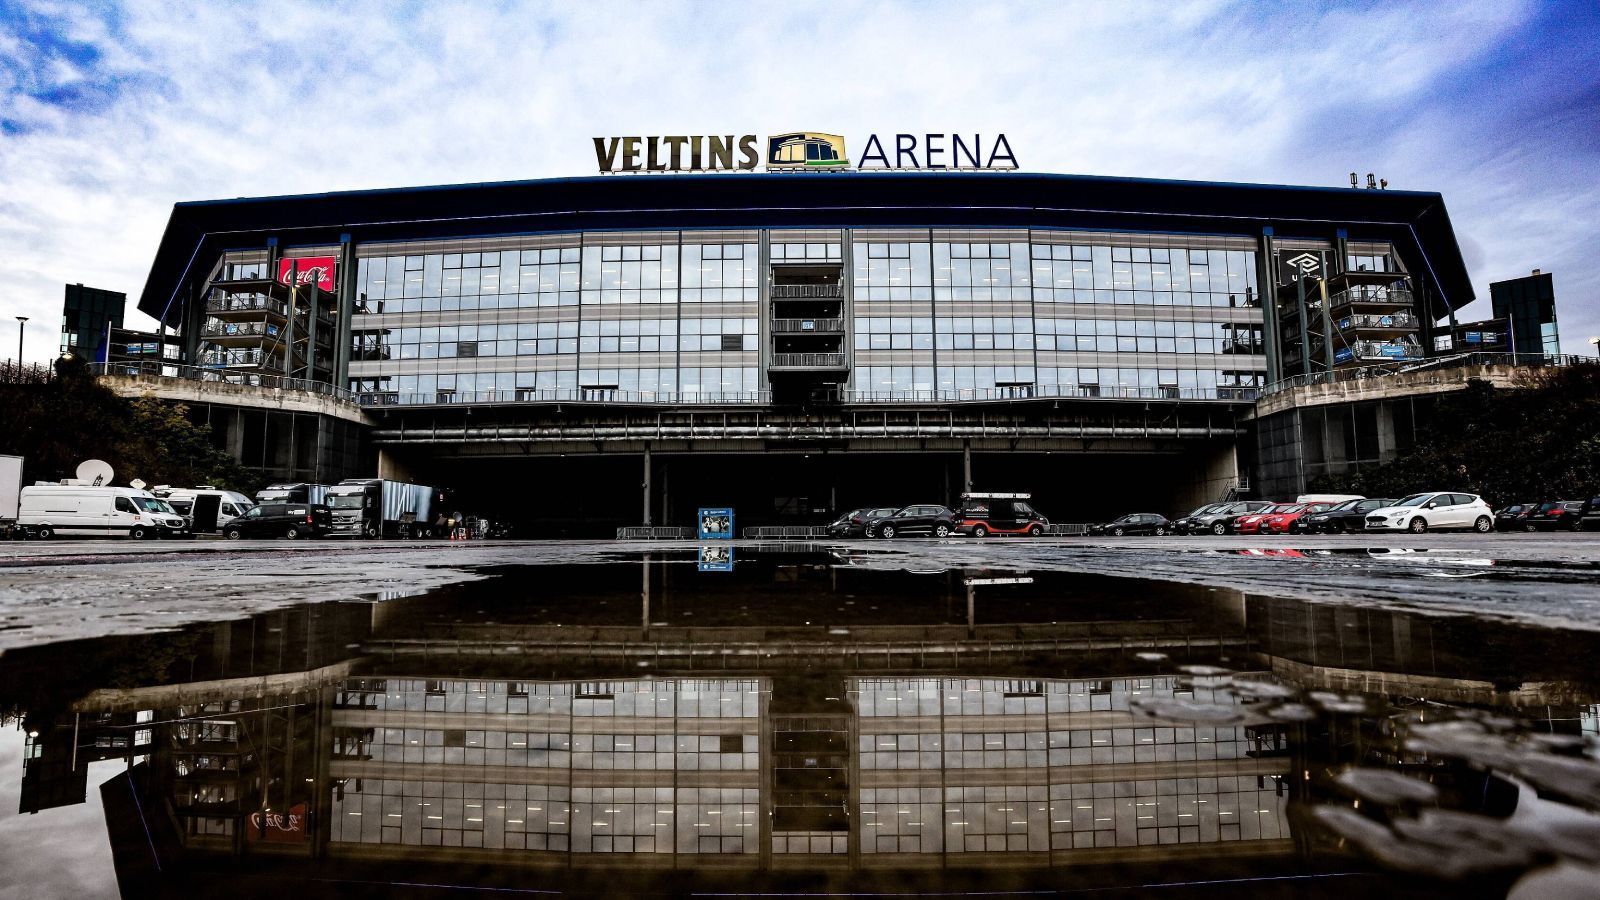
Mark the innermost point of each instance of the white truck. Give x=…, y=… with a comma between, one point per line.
x=10, y=491
x=47, y=510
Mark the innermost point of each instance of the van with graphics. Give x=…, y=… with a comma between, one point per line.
x=48, y=510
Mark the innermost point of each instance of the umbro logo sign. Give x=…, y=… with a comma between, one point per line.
x=1305, y=262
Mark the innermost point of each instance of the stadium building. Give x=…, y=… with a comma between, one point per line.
x=622, y=349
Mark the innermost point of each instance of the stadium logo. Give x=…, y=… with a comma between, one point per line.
x=805, y=150
x=1305, y=262
x=802, y=151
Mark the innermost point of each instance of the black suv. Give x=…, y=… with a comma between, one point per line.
x=1350, y=515
x=290, y=520
x=938, y=521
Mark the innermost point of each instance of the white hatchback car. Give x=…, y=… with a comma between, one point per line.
x=1432, y=512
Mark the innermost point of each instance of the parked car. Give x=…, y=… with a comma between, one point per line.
x=938, y=521
x=984, y=514
x=1351, y=515
x=290, y=520
x=1221, y=522
x=1513, y=517
x=1437, y=511
x=1556, y=514
x=1591, y=513
x=1134, y=523
x=1280, y=523
x=854, y=522
x=1251, y=523
x=1190, y=523
x=47, y=510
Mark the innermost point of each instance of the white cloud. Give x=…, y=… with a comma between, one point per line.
x=223, y=100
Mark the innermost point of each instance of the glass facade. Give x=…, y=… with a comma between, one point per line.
x=669, y=316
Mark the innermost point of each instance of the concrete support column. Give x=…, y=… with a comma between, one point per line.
x=646, y=485
x=966, y=467
x=390, y=467
x=1386, y=441
x=345, y=289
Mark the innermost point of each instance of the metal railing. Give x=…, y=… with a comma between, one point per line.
x=807, y=291
x=580, y=395
x=1370, y=320
x=152, y=369
x=1054, y=391
x=655, y=533
x=220, y=358
x=246, y=303
x=807, y=361
x=1367, y=294
x=802, y=532
x=14, y=372
x=240, y=329
x=807, y=326
x=1458, y=361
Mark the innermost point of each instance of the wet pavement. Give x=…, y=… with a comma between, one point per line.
x=1301, y=717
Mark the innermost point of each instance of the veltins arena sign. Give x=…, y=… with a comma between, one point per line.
x=801, y=151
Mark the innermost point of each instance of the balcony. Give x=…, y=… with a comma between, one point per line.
x=241, y=359
x=807, y=291
x=807, y=361
x=1370, y=296
x=232, y=305
x=240, y=333
x=1392, y=322
x=807, y=326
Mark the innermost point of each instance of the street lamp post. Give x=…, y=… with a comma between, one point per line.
x=22, y=324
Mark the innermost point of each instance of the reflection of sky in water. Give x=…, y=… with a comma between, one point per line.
x=58, y=852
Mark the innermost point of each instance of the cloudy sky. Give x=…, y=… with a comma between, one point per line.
x=110, y=113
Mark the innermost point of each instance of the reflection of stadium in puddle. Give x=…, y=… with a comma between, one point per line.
x=1041, y=729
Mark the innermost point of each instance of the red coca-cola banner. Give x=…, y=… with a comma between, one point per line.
x=279, y=827
x=316, y=270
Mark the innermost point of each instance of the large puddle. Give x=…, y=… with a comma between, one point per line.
x=800, y=723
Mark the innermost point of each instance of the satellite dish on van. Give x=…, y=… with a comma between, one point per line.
x=95, y=471
x=137, y=484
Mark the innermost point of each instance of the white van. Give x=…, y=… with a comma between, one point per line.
x=47, y=510
x=1327, y=498
x=206, y=508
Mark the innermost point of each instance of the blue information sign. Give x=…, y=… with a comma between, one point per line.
x=716, y=559
x=715, y=523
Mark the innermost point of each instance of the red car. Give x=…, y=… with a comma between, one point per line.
x=1252, y=523
x=1279, y=523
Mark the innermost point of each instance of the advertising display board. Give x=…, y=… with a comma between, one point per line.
x=714, y=523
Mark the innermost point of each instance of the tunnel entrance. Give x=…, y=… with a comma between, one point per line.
x=590, y=496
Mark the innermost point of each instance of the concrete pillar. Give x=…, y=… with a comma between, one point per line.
x=646, y=485
x=1215, y=469
x=392, y=468
x=1386, y=440
x=966, y=467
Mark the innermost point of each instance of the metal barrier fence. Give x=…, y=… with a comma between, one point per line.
x=152, y=369
x=13, y=372
x=786, y=531
x=655, y=533
x=1442, y=363
x=1066, y=529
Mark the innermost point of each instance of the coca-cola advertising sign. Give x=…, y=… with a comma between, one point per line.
x=317, y=270
x=278, y=826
